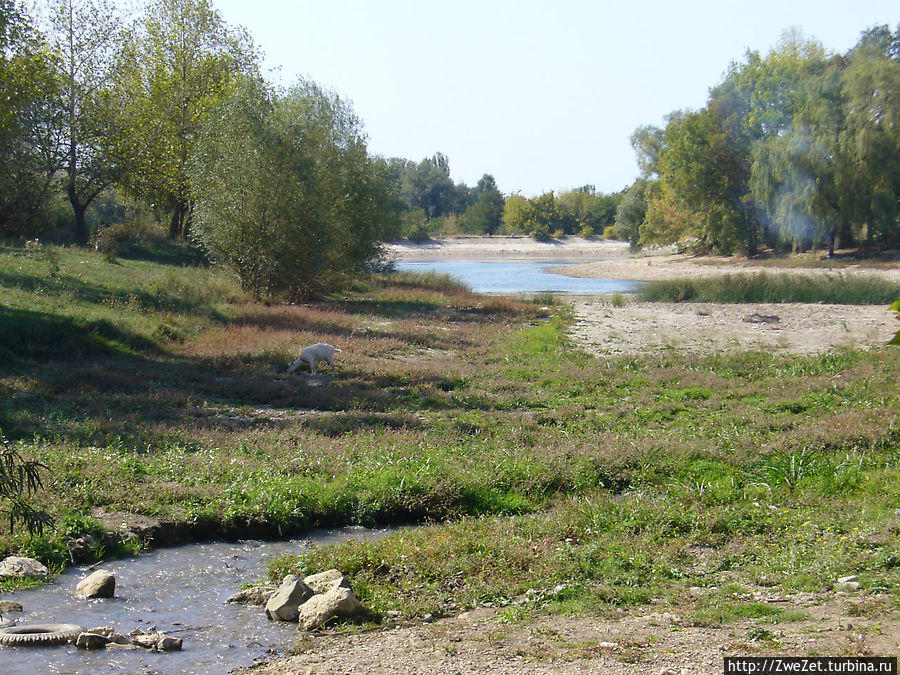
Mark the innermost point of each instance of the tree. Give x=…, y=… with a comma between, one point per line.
x=631, y=213
x=285, y=192
x=486, y=214
x=180, y=61
x=85, y=35
x=28, y=90
x=707, y=178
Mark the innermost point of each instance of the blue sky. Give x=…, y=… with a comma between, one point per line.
x=543, y=95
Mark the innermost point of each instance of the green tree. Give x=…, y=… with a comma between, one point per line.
x=486, y=214
x=631, y=212
x=179, y=62
x=85, y=36
x=707, y=176
x=285, y=191
x=28, y=141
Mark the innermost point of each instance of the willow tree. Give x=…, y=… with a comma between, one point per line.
x=285, y=191
x=180, y=61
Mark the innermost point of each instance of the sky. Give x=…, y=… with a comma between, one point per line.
x=544, y=94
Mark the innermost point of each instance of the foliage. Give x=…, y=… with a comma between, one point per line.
x=29, y=88
x=19, y=479
x=286, y=193
x=84, y=37
x=798, y=148
x=776, y=288
x=178, y=63
x=896, y=308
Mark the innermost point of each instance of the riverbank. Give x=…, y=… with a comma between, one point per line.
x=611, y=259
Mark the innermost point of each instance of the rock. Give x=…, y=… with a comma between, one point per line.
x=91, y=641
x=100, y=584
x=428, y=618
x=23, y=396
x=7, y=606
x=325, y=581
x=105, y=631
x=284, y=603
x=157, y=642
x=169, y=644
x=847, y=580
x=338, y=602
x=258, y=595
x=81, y=550
x=17, y=566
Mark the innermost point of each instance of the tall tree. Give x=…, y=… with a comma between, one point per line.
x=85, y=36
x=181, y=61
x=486, y=214
x=28, y=129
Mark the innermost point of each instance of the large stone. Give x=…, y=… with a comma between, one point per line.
x=258, y=595
x=16, y=566
x=7, y=606
x=101, y=584
x=283, y=605
x=325, y=581
x=91, y=641
x=339, y=602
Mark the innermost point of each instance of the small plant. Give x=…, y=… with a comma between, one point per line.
x=609, y=232
x=19, y=479
x=896, y=308
x=618, y=300
x=545, y=298
x=45, y=254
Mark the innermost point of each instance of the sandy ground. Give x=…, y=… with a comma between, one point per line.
x=703, y=328
x=508, y=249
x=656, y=640
x=694, y=327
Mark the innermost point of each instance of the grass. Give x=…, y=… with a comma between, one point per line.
x=784, y=287
x=555, y=481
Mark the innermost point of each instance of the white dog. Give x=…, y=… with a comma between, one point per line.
x=320, y=351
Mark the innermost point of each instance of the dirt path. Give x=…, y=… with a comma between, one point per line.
x=652, y=640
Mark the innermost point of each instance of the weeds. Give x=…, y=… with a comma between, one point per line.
x=835, y=289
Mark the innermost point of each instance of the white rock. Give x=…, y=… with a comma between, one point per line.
x=17, y=566
x=319, y=609
x=100, y=584
x=847, y=580
x=325, y=581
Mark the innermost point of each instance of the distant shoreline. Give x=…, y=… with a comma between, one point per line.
x=606, y=259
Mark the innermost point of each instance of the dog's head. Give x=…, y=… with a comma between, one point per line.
x=296, y=363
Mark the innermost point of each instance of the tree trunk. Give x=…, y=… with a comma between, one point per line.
x=832, y=233
x=177, y=224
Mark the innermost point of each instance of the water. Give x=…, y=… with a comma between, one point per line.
x=180, y=591
x=520, y=277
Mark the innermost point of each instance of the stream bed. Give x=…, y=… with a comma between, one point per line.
x=180, y=591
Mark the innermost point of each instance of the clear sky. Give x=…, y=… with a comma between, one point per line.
x=542, y=94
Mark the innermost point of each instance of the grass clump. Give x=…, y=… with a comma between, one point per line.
x=834, y=289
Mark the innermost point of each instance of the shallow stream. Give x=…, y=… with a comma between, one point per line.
x=520, y=277
x=180, y=591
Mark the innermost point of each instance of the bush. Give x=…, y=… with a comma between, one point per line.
x=286, y=193
x=609, y=232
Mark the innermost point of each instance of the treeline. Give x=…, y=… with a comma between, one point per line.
x=167, y=117
x=433, y=204
x=797, y=149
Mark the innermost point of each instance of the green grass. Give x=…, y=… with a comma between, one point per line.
x=159, y=390
x=835, y=289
